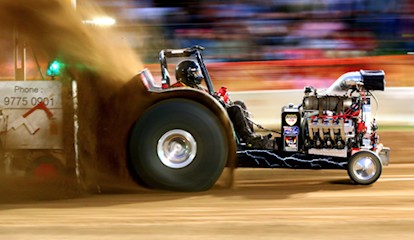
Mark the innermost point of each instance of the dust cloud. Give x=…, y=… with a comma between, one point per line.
x=98, y=58
x=55, y=29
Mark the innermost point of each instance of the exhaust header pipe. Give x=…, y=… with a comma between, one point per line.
x=369, y=79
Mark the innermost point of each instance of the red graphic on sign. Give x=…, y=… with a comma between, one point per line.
x=22, y=120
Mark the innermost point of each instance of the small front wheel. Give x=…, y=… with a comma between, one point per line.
x=364, y=167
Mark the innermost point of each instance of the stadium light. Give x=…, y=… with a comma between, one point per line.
x=101, y=21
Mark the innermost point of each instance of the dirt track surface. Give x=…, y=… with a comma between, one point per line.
x=263, y=204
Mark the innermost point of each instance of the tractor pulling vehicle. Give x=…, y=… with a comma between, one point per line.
x=185, y=139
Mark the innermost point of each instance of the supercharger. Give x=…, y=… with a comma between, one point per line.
x=337, y=120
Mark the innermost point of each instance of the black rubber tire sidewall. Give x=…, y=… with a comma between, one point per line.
x=212, y=151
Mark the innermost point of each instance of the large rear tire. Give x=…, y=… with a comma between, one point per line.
x=364, y=167
x=178, y=145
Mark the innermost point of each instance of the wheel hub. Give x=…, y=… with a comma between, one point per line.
x=365, y=168
x=176, y=148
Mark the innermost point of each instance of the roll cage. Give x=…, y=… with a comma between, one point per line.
x=194, y=51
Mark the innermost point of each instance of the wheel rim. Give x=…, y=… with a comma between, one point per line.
x=176, y=148
x=364, y=168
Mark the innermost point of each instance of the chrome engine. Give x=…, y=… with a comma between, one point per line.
x=336, y=120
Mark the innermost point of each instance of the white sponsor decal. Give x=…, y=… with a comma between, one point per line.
x=291, y=119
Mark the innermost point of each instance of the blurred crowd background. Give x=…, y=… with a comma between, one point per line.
x=244, y=30
x=281, y=44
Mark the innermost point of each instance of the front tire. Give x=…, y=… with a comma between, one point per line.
x=178, y=145
x=364, y=167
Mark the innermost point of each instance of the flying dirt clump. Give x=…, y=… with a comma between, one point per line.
x=97, y=58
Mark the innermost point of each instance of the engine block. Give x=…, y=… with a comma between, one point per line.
x=337, y=120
